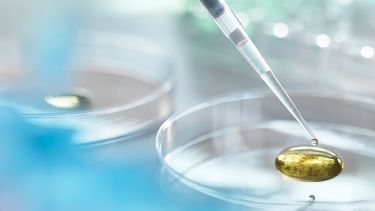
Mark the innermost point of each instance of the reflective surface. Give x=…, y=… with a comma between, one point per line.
x=226, y=148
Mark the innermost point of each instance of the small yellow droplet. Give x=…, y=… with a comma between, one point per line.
x=309, y=163
x=68, y=101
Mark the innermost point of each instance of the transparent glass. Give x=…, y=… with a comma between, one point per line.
x=226, y=148
x=126, y=80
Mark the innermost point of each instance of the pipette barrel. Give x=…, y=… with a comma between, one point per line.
x=232, y=28
x=214, y=7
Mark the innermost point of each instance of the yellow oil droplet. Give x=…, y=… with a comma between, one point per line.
x=68, y=101
x=309, y=163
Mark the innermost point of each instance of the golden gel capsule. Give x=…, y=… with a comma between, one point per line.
x=68, y=101
x=309, y=163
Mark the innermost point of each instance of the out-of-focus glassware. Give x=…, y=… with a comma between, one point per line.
x=120, y=86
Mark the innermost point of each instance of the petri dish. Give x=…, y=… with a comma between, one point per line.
x=121, y=83
x=226, y=148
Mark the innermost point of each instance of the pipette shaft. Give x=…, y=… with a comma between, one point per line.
x=232, y=28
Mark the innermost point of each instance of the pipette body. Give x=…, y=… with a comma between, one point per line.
x=232, y=28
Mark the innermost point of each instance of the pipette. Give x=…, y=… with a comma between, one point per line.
x=233, y=29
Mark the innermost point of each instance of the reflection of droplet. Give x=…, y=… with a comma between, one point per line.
x=311, y=198
x=68, y=101
x=309, y=163
x=314, y=142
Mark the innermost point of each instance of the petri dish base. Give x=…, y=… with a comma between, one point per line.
x=121, y=86
x=226, y=148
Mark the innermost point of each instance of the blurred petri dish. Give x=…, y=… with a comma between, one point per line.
x=120, y=87
x=226, y=148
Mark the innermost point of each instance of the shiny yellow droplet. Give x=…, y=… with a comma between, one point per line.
x=309, y=163
x=68, y=101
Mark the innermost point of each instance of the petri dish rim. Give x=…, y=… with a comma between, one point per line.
x=254, y=94
x=125, y=42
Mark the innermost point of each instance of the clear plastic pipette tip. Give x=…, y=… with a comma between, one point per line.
x=233, y=29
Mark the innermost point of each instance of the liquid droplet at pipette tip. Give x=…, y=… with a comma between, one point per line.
x=314, y=142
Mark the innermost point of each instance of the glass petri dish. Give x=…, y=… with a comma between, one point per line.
x=226, y=148
x=122, y=84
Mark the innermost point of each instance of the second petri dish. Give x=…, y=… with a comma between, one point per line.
x=226, y=148
x=120, y=86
